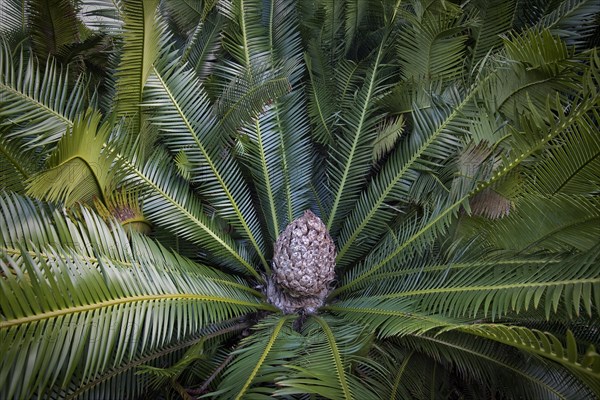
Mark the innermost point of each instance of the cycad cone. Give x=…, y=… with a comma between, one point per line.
x=303, y=266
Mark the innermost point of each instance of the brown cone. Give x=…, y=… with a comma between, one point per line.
x=303, y=265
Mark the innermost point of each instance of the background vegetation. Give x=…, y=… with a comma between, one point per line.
x=152, y=152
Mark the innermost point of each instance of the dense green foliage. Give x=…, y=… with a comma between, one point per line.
x=151, y=152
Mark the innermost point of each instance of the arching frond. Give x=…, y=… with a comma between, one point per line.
x=586, y=367
x=495, y=18
x=71, y=315
x=278, y=137
x=53, y=26
x=573, y=20
x=537, y=222
x=126, y=380
x=203, y=45
x=141, y=45
x=391, y=317
x=80, y=168
x=277, y=140
x=351, y=150
x=259, y=360
x=43, y=104
x=183, y=112
x=495, y=366
x=324, y=368
x=432, y=46
x=14, y=18
x=436, y=137
x=16, y=166
x=516, y=287
x=168, y=201
x=539, y=130
x=570, y=166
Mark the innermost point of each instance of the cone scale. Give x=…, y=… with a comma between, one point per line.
x=303, y=266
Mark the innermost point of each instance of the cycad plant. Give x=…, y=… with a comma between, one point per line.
x=324, y=199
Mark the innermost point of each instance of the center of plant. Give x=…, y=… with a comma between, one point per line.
x=303, y=266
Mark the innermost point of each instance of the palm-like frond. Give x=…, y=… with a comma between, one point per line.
x=570, y=284
x=54, y=26
x=141, y=41
x=43, y=104
x=125, y=379
x=333, y=347
x=145, y=298
x=203, y=45
x=16, y=166
x=587, y=368
x=539, y=131
x=435, y=138
x=573, y=20
x=578, y=154
x=351, y=151
x=451, y=150
x=432, y=46
x=494, y=366
x=259, y=359
x=185, y=116
x=14, y=18
x=168, y=201
x=551, y=231
x=278, y=137
x=392, y=317
x=494, y=19
x=79, y=168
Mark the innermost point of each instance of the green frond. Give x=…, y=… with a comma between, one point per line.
x=43, y=103
x=436, y=137
x=495, y=18
x=323, y=370
x=391, y=317
x=387, y=137
x=197, y=348
x=573, y=20
x=53, y=26
x=542, y=69
x=414, y=235
x=539, y=131
x=247, y=38
x=538, y=222
x=527, y=49
x=259, y=359
x=185, y=15
x=351, y=150
x=321, y=93
x=571, y=284
x=182, y=111
x=277, y=140
x=433, y=48
x=570, y=166
x=169, y=202
x=80, y=168
x=247, y=90
x=70, y=315
x=126, y=378
x=141, y=46
x=16, y=166
x=494, y=366
x=203, y=46
x=278, y=137
x=586, y=367
x=102, y=15
x=14, y=19
x=355, y=14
